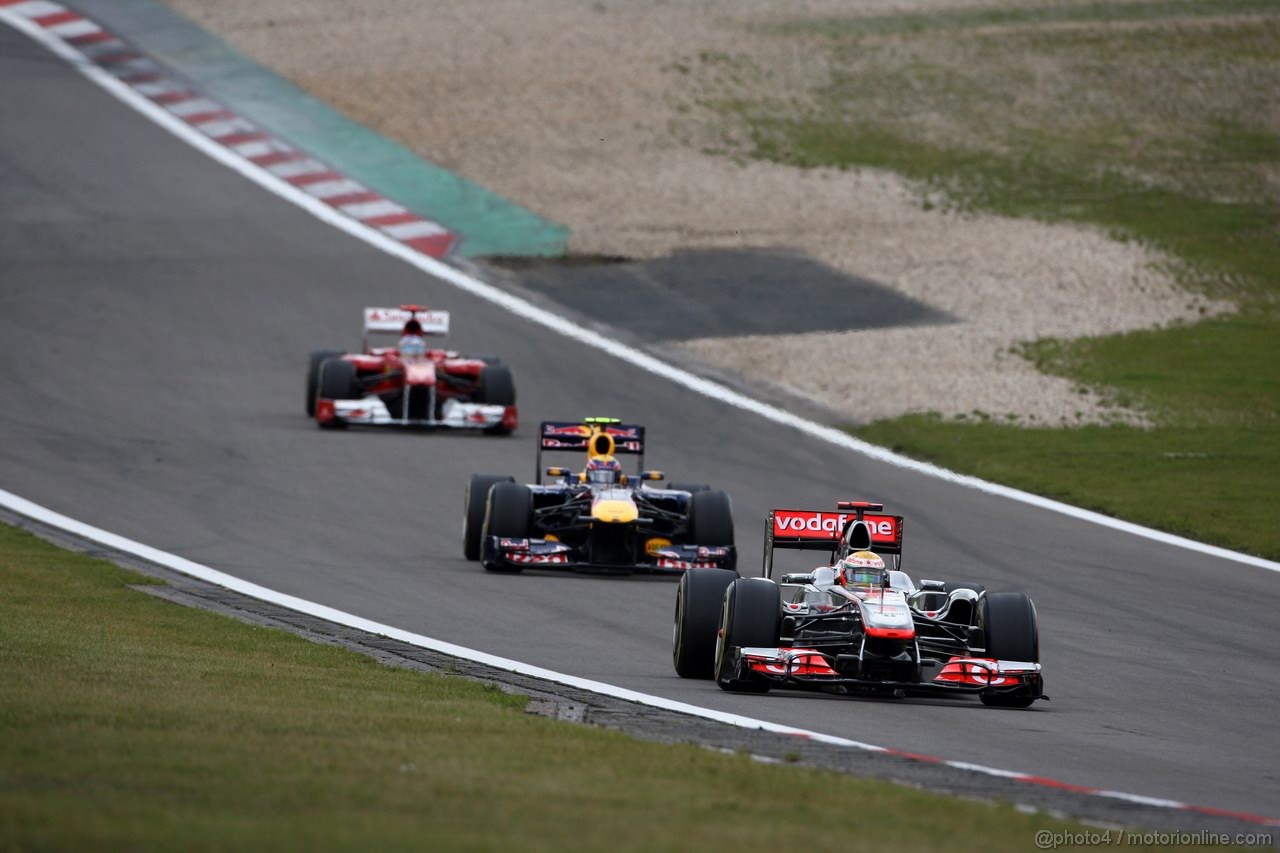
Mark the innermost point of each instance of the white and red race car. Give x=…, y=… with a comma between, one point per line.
x=858, y=624
x=410, y=385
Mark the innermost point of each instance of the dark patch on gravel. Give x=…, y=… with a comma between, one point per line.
x=721, y=293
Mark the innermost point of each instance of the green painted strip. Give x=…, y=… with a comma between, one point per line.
x=488, y=223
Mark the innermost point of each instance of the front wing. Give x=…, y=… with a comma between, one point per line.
x=811, y=669
x=501, y=552
x=372, y=411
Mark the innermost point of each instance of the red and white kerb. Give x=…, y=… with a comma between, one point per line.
x=234, y=132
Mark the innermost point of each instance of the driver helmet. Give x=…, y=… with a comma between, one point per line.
x=603, y=471
x=413, y=347
x=862, y=569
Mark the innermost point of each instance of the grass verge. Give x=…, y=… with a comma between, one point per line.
x=129, y=722
x=1155, y=120
x=1207, y=470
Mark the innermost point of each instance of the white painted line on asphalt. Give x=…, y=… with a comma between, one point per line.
x=34, y=511
x=563, y=326
x=569, y=329
x=412, y=230
x=36, y=9
x=334, y=188
x=71, y=29
x=261, y=147
x=50, y=518
x=164, y=87
x=194, y=106
x=370, y=209
x=224, y=127
x=294, y=168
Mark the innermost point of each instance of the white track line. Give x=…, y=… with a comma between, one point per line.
x=563, y=326
x=527, y=310
x=43, y=515
x=31, y=510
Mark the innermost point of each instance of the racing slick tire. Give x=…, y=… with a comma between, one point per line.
x=474, y=501
x=698, y=600
x=497, y=386
x=337, y=382
x=751, y=615
x=1009, y=620
x=692, y=488
x=710, y=519
x=508, y=513
x=318, y=357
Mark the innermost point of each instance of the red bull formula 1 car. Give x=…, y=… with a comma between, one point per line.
x=598, y=518
x=856, y=625
x=410, y=384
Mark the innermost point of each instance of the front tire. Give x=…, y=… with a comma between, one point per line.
x=750, y=616
x=509, y=515
x=318, y=357
x=338, y=382
x=710, y=519
x=474, y=502
x=497, y=387
x=698, y=601
x=1009, y=621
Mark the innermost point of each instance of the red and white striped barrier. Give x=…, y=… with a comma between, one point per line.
x=237, y=134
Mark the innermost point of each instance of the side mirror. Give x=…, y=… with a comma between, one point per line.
x=653, y=475
x=557, y=472
x=933, y=586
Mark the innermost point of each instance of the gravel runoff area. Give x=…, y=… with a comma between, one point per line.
x=572, y=108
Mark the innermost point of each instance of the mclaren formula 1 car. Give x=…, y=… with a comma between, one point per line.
x=410, y=384
x=856, y=625
x=597, y=518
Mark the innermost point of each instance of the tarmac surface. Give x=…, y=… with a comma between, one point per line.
x=723, y=293
x=155, y=315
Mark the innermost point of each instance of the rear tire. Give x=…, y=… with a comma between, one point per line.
x=474, y=502
x=698, y=601
x=1009, y=620
x=318, y=357
x=751, y=616
x=508, y=514
x=710, y=519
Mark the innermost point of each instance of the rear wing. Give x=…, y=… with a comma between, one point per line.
x=556, y=436
x=394, y=320
x=824, y=530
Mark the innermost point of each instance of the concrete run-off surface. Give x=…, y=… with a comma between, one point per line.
x=571, y=107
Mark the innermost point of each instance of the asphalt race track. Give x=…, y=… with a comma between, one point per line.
x=156, y=310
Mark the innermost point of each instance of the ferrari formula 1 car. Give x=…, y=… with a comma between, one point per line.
x=409, y=385
x=598, y=518
x=857, y=625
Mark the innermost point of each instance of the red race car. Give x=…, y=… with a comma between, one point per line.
x=410, y=384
